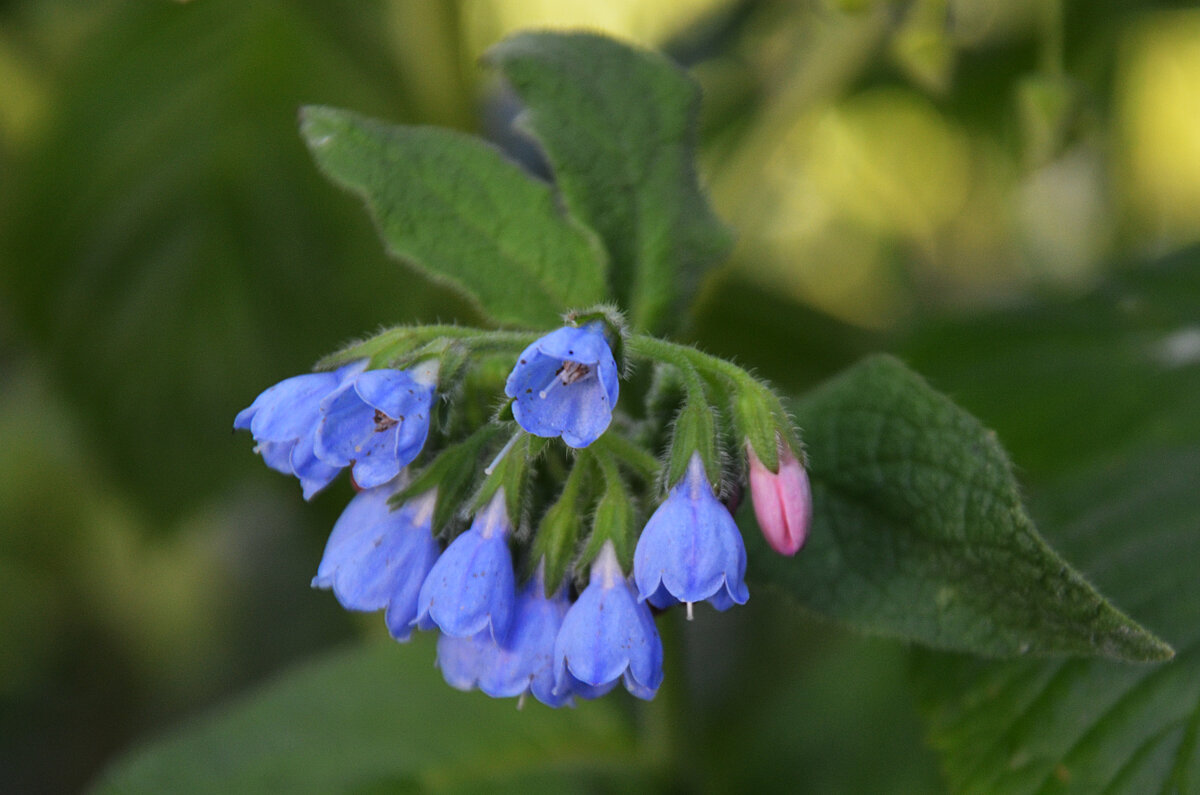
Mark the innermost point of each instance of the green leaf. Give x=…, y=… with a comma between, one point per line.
x=457, y=209
x=1090, y=726
x=618, y=126
x=379, y=718
x=1106, y=419
x=919, y=531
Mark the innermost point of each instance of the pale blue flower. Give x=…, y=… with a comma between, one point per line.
x=522, y=662
x=607, y=635
x=376, y=424
x=284, y=420
x=470, y=589
x=377, y=558
x=691, y=549
x=565, y=384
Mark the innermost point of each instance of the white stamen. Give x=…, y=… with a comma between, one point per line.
x=689, y=610
x=521, y=700
x=490, y=468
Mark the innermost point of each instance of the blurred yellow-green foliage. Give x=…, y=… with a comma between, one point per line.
x=167, y=250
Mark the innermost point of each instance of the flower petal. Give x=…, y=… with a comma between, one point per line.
x=470, y=588
x=565, y=384
x=462, y=659
x=585, y=345
x=314, y=473
x=378, y=558
x=691, y=547
x=277, y=455
x=606, y=634
x=290, y=409
x=523, y=661
x=379, y=425
x=394, y=392
x=377, y=462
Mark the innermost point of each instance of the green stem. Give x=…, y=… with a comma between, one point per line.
x=683, y=356
x=462, y=332
x=404, y=339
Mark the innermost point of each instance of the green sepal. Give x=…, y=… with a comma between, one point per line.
x=752, y=421
x=614, y=520
x=380, y=349
x=615, y=327
x=511, y=472
x=505, y=413
x=695, y=431
x=636, y=459
x=559, y=531
x=452, y=473
x=453, y=359
x=760, y=419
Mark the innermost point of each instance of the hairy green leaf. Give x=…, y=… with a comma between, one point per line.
x=919, y=531
x=618, y=126
x=1107, y=420
x=1091, y=726
x=457, y=209
x=379, y=717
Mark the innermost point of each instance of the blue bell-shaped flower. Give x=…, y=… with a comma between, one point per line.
x=565, y=384
x=608, y=635
x=691, y=549
x=470, y=588
x=378, y=558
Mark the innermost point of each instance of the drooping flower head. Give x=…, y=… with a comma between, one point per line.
x=607, y=635
x=782, y=500
x=470, y=589
x=377, y=423
x=522, y=662
x=284, y=421
x=378, y=558
x=691, y=549
x=565, y=384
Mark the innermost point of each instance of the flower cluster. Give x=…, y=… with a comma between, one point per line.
x=579, y=620
x=313, y=426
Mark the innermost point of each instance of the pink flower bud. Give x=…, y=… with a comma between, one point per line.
x=782, y=501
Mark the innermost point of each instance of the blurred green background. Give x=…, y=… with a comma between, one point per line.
x=167, y=250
